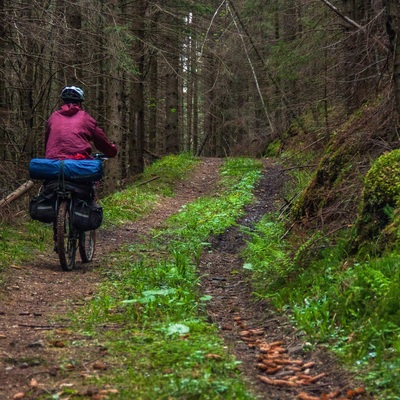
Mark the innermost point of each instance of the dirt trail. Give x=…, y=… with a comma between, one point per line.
x=36, y=298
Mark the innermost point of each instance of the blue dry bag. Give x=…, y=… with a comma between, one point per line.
x=71, y=170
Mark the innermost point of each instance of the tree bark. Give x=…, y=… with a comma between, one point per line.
x=172, y=105
x=393, y=29
x=74, y=20
x=173, y=50
x=136, y=136
x=3, y=91
x=113, y=101
x=153, y=86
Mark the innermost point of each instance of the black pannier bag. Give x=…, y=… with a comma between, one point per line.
x=86, y=216
x=43, y=207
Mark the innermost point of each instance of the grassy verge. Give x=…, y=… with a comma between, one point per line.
x=138, y=199
x=349, y=305
x=161, y=344
x=22, y=242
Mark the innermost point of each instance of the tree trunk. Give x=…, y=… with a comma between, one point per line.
x=113, y=102
x=3, y=91
x=171, y=105
x=136, y=137
x=192, y=89
x=209, y=78
x=195, y=113
x=189, y=77
x=26, y=92
x=153, y=87
x=153, y=102
x=74, y=55
x=393, y=29
x=173, y=50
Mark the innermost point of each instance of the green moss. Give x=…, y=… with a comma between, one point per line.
x=382, y=182
x=381, y=196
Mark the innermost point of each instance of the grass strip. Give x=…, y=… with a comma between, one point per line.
x=163, y=346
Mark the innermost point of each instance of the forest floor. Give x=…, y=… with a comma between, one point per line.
x=36, y=299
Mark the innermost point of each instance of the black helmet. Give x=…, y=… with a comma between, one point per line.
x=73, y=94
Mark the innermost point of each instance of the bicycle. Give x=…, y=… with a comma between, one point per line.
x=66, y=236
x=63, y=200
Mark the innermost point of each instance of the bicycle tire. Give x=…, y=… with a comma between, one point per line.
x=87, y=245
x=66, y=239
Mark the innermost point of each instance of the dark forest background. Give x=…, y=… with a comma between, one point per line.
x=214, y=78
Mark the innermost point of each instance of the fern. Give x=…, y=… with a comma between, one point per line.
x=267, y=254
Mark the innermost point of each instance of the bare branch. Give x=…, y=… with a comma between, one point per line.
x=354, y=24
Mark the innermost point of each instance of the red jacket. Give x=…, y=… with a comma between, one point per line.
x=69, y=132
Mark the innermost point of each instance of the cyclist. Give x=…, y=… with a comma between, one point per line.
x=70, y=130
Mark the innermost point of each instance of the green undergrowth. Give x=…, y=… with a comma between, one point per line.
x=350, y=305
x=161, y=344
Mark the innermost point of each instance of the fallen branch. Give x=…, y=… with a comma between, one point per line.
x=44, y=327
x=148, y=181
x=17, y=193
x=305, y=148
x=300, y=167
x=153, y=155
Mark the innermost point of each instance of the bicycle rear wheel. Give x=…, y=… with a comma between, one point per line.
x=87, y=245
x=66, y=238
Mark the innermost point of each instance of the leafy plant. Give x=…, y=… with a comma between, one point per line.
x=267, y=255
